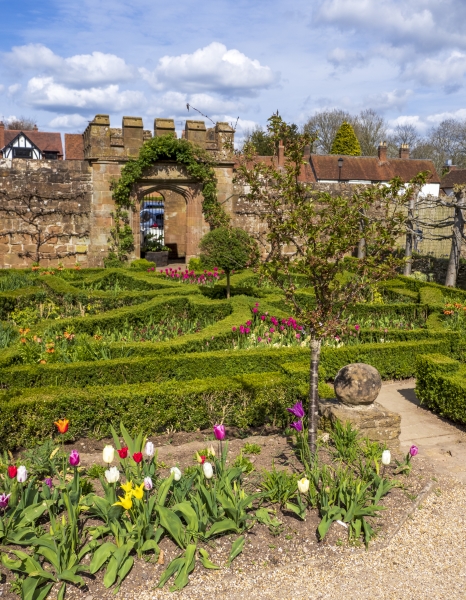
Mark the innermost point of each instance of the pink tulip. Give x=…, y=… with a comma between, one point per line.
x=413, y=450
x=74, y=458
x=219, y=432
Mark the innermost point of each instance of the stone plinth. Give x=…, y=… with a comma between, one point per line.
x=373, y=420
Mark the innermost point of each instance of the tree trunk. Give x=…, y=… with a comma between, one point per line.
x=362, y=241
x=409, y=238
x=455, y=252
x=314, y=394
x=228, y=283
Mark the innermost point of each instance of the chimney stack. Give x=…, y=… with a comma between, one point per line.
x=404, y=151
x=35, y=128
x=281, y=154
x=383, y=151
x=2, y=137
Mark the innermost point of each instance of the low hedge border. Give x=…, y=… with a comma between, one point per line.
x=441, y=385
x=251, y=400
x=393, y=360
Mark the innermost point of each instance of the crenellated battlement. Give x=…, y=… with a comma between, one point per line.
x=109, y=143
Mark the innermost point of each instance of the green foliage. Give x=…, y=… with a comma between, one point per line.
x=229, y=248
x=250, y=448
x=195, y=264
x=141, y=264
x=263, y=143
x=440, y=385
x=345, y=141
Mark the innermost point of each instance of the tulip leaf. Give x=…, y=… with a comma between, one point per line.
x=298, y=510
x=31, y=589
x=71, y=577
x=204, y=556
x=171, y=522
x=61, y=591
x=221, y=527
x=172, y=568
x=182, y=578
x=236, y=549
x=150, y=545
x=125, y=569
x=128, y=440
x=164, y=489
x=189, y=514
x=101, y=555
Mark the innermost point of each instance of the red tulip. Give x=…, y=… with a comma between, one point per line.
x=123, y=453
x=12, y=470
x=137, y=457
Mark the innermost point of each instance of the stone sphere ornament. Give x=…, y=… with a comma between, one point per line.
x=357, y=384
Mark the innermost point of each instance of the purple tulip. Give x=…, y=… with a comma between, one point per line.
x=74, y=458
x=298, y=425
x=357, y=327
x=4, y=499
x=219, y=432
x=48, y=481
x=297, y=410
x=413, y=450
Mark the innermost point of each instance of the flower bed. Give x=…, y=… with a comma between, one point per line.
x=208, y=278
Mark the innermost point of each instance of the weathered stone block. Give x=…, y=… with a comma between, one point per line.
x=373, y=421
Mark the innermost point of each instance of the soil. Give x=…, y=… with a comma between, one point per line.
x=293, y=542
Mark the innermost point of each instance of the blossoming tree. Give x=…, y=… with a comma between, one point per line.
x=312, y=233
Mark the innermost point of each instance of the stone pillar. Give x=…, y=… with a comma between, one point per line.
x=164, y=127
x=133, y=135
x=195, y=224
x=195, y=131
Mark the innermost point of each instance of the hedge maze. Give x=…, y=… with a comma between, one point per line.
x=59, y=357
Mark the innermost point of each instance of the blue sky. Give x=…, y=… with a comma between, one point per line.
x=63, y=61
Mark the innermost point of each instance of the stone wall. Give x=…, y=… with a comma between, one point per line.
x=436, y=269
x=62, y=214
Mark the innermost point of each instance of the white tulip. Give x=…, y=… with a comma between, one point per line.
x=303, y=485
x=112, y=475
x=22, y=474
x=149, y=450
x=148, y=485
x=386, y=457
x=108, y=454
x=208, y=470
x=176, y=473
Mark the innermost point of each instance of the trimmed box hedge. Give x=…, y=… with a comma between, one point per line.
x=441, y=385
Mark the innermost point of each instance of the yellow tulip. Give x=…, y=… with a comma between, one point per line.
x=125, y=502
x=127, y=487
x=138, y=491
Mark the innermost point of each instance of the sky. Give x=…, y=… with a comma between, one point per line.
x=63, y=61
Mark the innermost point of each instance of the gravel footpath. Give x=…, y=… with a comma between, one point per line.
x=425, y=559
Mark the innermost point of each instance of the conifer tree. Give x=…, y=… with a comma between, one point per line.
x=345, y=141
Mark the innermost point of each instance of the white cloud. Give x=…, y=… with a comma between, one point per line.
x=83, y=69
x=213, y=68
x=438, y=71
x=428, y=25
x=12, y=89
x=43, y=92
x=346, y=59
x=396, y=99
x=175, y=103
x=455, y=114
x=68, y=121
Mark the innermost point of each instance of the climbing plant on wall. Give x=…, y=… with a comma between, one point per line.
x=199, y=165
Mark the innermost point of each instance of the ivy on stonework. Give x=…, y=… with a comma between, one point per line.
x=199, y=165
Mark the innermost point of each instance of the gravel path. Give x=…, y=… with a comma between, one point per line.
x=426, y=559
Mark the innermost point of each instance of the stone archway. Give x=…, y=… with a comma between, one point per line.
x=183, y=220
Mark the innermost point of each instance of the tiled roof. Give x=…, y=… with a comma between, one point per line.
x=369, y=168
x=455, y=177
x=74, y=146
x=44, y=140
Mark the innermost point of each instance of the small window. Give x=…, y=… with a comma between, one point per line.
x=22, y=152
x=50, y=155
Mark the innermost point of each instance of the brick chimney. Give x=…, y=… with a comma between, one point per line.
x=35, y=128
x=404, y=151
x=383, y=152
x=281, y=154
